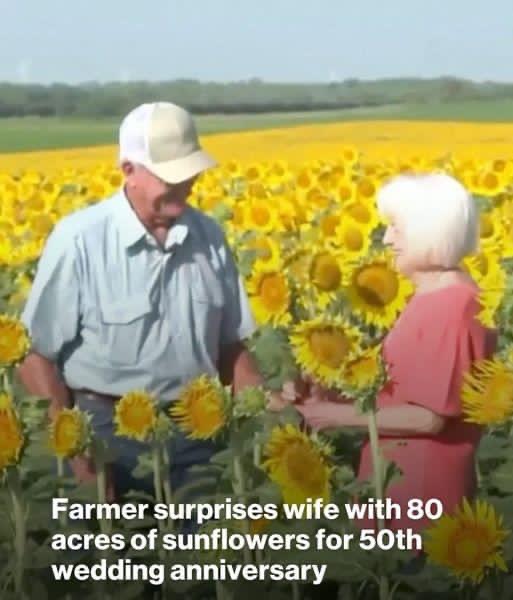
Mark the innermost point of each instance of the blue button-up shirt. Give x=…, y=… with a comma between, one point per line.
x=117, y=311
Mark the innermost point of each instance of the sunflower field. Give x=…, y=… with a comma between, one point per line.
x=307, y=239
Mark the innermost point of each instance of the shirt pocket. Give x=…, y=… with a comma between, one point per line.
x=125, y=324
x=206, y=311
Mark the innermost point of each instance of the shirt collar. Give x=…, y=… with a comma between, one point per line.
x=132, y=230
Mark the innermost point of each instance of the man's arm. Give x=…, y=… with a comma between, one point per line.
x=40, y=377
x=238, y=367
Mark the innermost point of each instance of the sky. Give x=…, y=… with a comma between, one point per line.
x=73, y=41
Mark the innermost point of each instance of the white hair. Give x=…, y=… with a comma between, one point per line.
x=440, y=217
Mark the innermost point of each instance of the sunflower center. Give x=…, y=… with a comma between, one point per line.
x=490, y=181
x=304, y=468
x=360, y=213
x=10, y=440
x=67, y=432
x=260, y=215
x=202, y=411
x=344, y=193
x=329, y=346
x=303, y=180
x=252, y=173
x=366, y=188
x=257, y=189
x=487, y=229
x=377, y=285
x=326, y=273
x=273, y=291
x=237, y=215
x=138, y=417
x=329, y=225
x=353, y=239
x=500, y=392
x=469, y=546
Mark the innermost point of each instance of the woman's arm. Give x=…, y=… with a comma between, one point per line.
x=404, y=420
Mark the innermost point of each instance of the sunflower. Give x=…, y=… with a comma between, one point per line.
x=469, y=542
x=136, y=415
x=365, y=369
x=14, y=341
x=12, y=438
x=376, y=291
x=299, y=464
x=269, y=295
x=346, y=191
x=353, y=238
x=363, y=212
x=200, y=410
x=325, y=275
x=491, y=229
x=485, y=265
x=267, y=252
x=491, y=183
x=70, y=433
x=490, y=299
x=250, y=402
x=324, y=346
x=487, y=393
x=297, y=264
x=261, y=215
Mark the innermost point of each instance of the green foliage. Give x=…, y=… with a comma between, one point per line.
x=274, y=357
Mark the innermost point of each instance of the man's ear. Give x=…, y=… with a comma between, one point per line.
x=127, y=168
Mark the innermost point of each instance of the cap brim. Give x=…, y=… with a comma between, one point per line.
x=181, y=169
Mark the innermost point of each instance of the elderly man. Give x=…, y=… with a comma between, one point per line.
x=139, y=291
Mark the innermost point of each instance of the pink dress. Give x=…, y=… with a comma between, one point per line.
x=432, y=344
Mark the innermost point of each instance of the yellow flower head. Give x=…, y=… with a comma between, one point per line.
x=324, y=346
x=136, y=415
x=14, y=341
x=200, y=410
x=69, y=433
x=376, y=291
x=298, y=464
x=269, y=296
x=487, y=393
x=325, y=275
x=12, y=438
x=469, y=542
x=366, y=369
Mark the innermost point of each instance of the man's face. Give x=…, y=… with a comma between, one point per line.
x=162, y=201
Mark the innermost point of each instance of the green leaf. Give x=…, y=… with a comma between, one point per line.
x=502, y=477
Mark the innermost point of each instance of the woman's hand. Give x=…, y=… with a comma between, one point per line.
x=322, y=415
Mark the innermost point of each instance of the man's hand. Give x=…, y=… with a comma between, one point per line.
x=84, y=470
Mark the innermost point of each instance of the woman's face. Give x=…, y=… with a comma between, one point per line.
x=395, y=237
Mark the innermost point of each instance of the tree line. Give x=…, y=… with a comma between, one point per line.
x=117, y=98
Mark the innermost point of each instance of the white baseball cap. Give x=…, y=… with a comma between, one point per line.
x=162, y=137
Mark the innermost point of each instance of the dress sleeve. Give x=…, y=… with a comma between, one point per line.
x=447, y=339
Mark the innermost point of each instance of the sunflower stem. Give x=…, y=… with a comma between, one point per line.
x=101, y=491
x=157, y=461
x=20, y=533
x=257, y=454
x=379, y=489
x=6, y=382
x=377, y=463
x=63, y=516
x=168, y=491
x=157, y=472
x=222, y=593
x=239, y=489
x=296, y=591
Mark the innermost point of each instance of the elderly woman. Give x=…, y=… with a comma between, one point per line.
x=432, y=225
